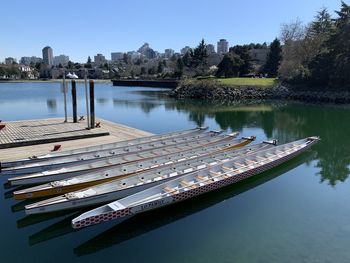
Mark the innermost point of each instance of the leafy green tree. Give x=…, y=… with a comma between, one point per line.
x=88, y=63
x=331, y=66
x=243, y=53
x=70, y=65
x=2, y=72
x=38, y=65
x=152, y=70
x=229, y=66
x=77, y=65
x=160, y=67
x=322, y=25
x=143, y=71
x=106, y=66
x=274, y=58
x=179, y=68
x=199, y=55
x=126, y=58
x=339, y=46
x=187, y=58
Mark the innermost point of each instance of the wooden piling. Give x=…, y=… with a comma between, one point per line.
x=74, y=101
x=92, y=105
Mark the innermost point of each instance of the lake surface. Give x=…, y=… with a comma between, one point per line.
x=297, y=212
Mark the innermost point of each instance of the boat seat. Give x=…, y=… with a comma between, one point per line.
x=187, y=184
x=202, y=180
x=170, y=190
x=214, y=173
x=227, y=169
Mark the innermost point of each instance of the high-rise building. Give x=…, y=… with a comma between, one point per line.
x=134, y=55
x=28, y=60
x=222, y=47
x=146, y=51
x=185, y=50
x=48, y=56
x=61, y=59
x=99, y=59
x=115, y=56
x=168, y=53
x=10, y=61
x=210, y=49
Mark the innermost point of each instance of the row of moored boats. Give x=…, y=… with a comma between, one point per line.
x=138, y=175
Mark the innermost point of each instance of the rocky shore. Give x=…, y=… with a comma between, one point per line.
x=215, y=92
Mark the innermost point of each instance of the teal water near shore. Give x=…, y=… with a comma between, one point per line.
x=298, y=212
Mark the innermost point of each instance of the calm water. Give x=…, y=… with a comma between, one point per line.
x=298, y=212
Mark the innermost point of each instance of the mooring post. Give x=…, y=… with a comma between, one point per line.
x=64, y=95
x=87, y=100
x=92, y=105
x=74, y=101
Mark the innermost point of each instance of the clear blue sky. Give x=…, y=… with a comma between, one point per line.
x=81, y=28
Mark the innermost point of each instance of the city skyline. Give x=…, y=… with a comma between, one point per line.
x=123, y=27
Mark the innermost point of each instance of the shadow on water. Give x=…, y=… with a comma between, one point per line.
x=149, y=221
x=21, y=204
x=58, y=229
x=30, y=220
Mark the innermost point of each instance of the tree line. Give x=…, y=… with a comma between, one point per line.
x=318, y=54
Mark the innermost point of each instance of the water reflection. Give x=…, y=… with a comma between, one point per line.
x=145, y=105
x=51, y=105
x=146, y=222
x=280, y=120
x=102, y=101
x=286, y=122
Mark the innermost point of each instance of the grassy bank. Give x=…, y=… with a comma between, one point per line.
x=258, y=82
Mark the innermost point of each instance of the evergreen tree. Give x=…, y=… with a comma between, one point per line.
x=179, y=68
x=229, y=66
x=126, y=58
x=160, y=67
x=243, y=53
x=322, y=24
x=88, y=63
x=200, y=55
x=187, y=58
x=331, y=66
x=274, y=58
x=339, y=46
x=143, y=71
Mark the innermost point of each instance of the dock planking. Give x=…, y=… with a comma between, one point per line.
x=21, y=139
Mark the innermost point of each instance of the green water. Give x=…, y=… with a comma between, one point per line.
x=298, y=212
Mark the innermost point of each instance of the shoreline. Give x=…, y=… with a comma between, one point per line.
x=52, y=80
x=211, y=91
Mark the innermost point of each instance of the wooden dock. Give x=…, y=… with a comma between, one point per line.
x=21, y=139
